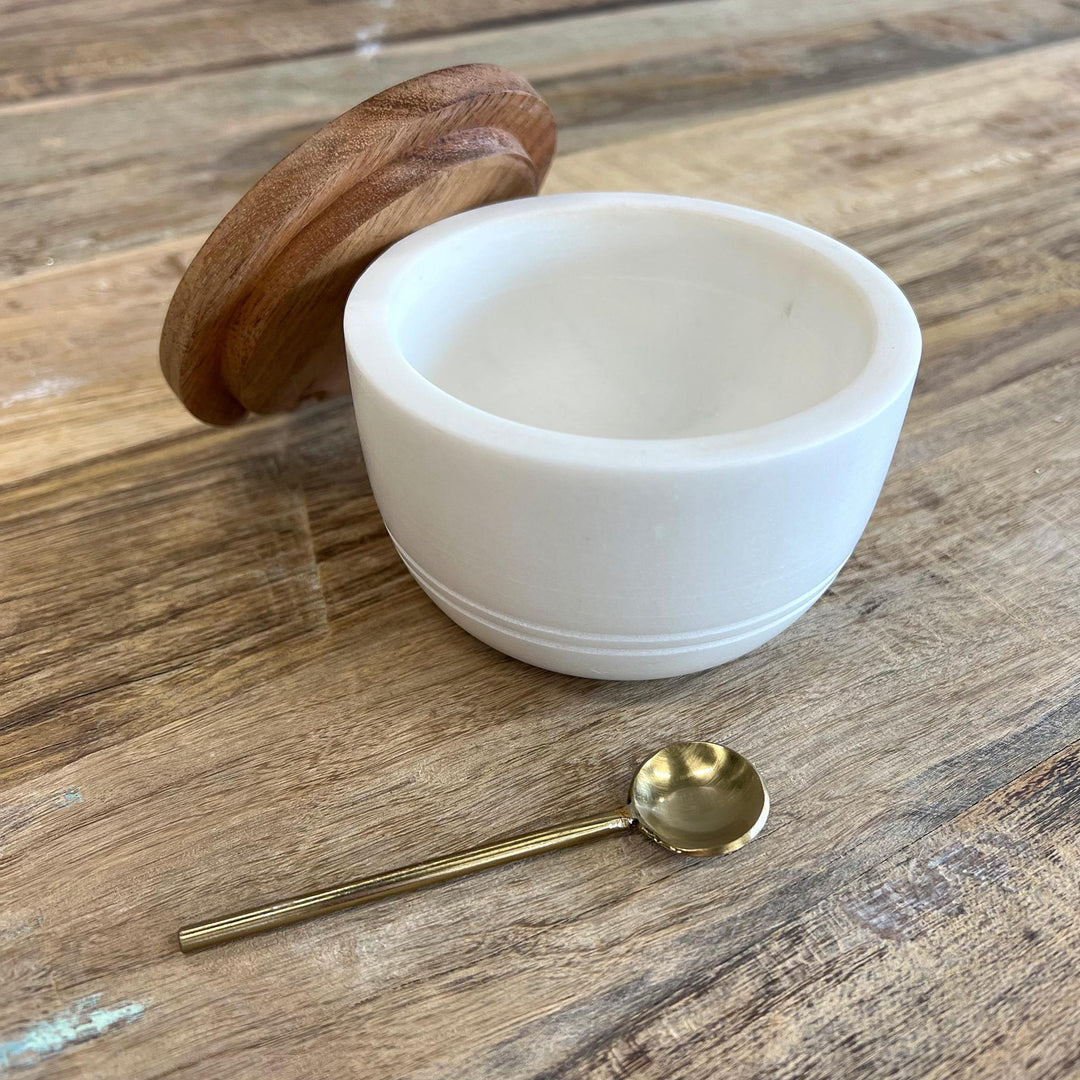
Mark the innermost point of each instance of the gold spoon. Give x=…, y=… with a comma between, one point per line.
x=692, y=798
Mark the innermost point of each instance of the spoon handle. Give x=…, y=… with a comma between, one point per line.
x=245, y=923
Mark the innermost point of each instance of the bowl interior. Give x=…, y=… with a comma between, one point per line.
x=631, y=321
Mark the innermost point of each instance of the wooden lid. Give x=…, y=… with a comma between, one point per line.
x=255, y=324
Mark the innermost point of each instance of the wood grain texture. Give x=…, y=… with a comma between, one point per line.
x=65, y=47
x=209, y=642
x=87, y=175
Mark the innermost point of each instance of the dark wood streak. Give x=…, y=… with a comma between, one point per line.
x=728, y=78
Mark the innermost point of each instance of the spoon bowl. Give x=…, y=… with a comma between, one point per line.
x=699, y=798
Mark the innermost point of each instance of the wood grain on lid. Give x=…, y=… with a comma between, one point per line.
x=255, y=323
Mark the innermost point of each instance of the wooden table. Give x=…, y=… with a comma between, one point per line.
x=219, y=684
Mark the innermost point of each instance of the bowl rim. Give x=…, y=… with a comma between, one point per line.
x=376, y=361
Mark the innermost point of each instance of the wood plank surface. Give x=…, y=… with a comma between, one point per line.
x=91, y=174
x=220, y=685
x=64, y=47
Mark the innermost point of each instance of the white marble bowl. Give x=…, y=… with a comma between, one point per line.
x=626, y=436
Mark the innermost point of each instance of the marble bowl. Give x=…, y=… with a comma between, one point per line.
x=626, y=436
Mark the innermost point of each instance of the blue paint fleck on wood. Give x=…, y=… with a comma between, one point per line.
x=79, y=1024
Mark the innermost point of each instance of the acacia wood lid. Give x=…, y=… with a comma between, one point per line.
x=255, y=324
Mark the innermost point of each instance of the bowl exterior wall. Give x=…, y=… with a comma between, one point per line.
x=620, y=573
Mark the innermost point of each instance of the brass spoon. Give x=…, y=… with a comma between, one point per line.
x=692, y=798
